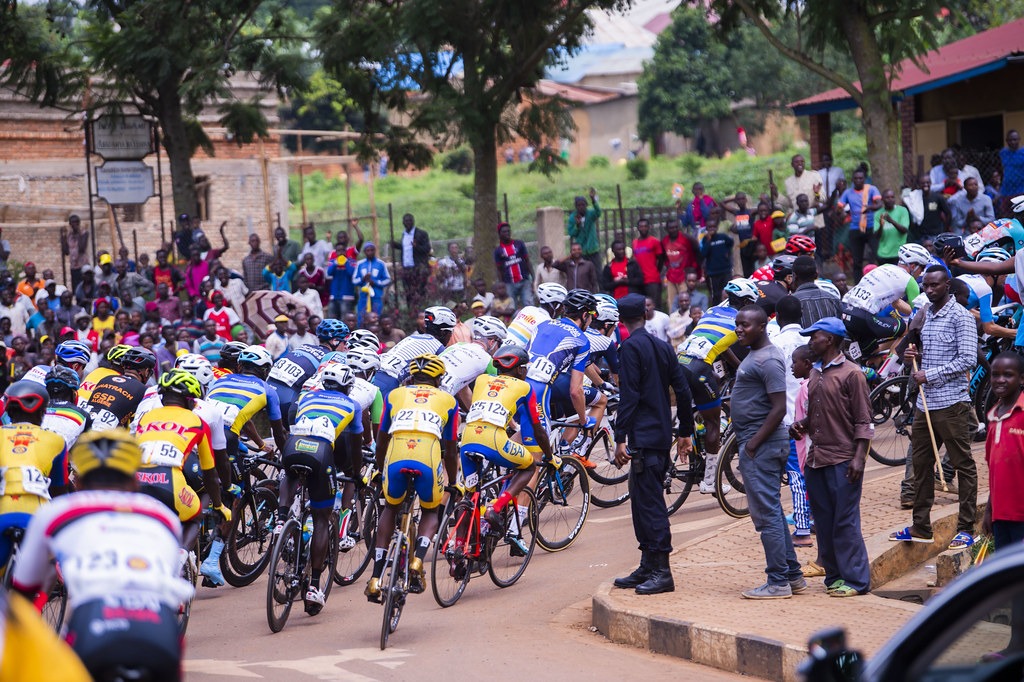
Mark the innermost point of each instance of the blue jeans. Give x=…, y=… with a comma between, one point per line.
x=762, y=476
x=521, y=292
x=836, y=506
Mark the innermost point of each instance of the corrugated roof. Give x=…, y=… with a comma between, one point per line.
x=981, y=53
x=576, y=93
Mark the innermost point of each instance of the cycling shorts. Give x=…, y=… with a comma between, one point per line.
x=869, y=330
x=493, y=443
x=167, y=484
x=7, y=521
x=703, y=383
x=561, y=403
x=419, y=453
x=127, y=632
x=543, y=393
x=318, y=455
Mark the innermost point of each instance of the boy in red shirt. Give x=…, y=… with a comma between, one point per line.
x=648, y=254
x=1004, y=452
x=681, y=252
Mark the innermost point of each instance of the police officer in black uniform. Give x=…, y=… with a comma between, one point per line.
x=648, y=369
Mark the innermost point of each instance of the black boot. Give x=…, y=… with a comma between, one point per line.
x=640, y=574
x=660, y=579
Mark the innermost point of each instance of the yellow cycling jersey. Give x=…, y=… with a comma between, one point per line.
x=168, y=434
x=29, y=649
x=90, y=381
x=30, y=458
x=420, y=410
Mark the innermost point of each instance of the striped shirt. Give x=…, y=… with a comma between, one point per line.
x=949, y=347
x=815, y=304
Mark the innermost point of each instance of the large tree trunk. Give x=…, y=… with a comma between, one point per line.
x=485, y=204
x=179, y=153
x=879, y=118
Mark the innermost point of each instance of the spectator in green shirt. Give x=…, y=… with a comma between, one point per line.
x=891, y=225
x=582, y=228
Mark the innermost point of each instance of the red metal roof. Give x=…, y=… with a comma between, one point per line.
x=576, y=93
x=983, y=52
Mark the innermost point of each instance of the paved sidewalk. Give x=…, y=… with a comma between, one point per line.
x=706, y=620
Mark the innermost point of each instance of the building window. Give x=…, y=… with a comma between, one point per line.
x=203, y=194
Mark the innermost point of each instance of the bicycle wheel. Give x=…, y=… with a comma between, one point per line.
x=610, y=482
x=563, y=503
x=56, y=606
x=362, y=527
x=507, y=560
x=251, y=537
x=190, y=572
x=892, y=413
x=679, y=479
x=330, y=568
x=734, y=502
x=284, y=585
x=394, y=582
x=449, y=567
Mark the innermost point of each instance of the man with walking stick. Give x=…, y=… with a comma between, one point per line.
x=949, y=350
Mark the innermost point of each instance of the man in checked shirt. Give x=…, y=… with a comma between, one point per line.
x=949, y=351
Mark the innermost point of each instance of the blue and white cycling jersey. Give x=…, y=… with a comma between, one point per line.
x=980, y=298
x=603, y=347
x=558, y=346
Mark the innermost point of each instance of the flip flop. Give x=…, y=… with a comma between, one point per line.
x=906, y=536
x=961, y=540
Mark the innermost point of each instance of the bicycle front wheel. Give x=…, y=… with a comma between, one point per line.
x=512, y=551
x=285, y=577
x=449, y=565
x=362, y=528
x=563, y=503
x=610, y=483
x=892, y=413
x=394, y=582
x=248, y=545
x=56, y=606
x=732, y=494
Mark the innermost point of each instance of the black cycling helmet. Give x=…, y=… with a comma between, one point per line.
x=508, y=358
x=950, y=241
x=25, y=399
x=579, y=301
x=782, y=266
x=138, y=358
x=62, y=381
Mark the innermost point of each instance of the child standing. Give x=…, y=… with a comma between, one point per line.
x=1004, y=452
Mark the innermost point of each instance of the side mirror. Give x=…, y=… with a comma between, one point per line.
x=829, y=659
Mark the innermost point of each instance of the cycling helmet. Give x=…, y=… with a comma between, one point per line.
x=117, y=352
x=428, y=364
x=607, y=298
x=73, y=351
x=440, y=317
x=138, y=358
x=232, y=349
x=951, y=241
x=364, y=338
x=257, y=356
x=800, y=245
x=61, y=379
x=551, y=292
x=510, y=357
x=363, y=360
x=28, y=396
x=332, y=330
x=114, y=449
x=743, y=288
x=488, y=327
x=579, y=301
x=337, y=377
x=827, y=286
x=783, y=265
x=993, y=254
x=607, y=312
x=765, y=274
x=181, y=382
x=197, y=366
x=913, y=254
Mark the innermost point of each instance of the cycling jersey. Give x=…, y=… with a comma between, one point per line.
x=363, y=393
x=500, y=399
x=714, y=334
x=67, y=420
x=209, y=412
x=31, y=460
x=882, y=287
x=558, y=346
x=524, y=325
x=90, y=381
x=463, y=363
x=326, y=414
x=219, y=372
x=167, y=434
x=293, y=368
x=980, y=297
x=37, y=374
x=241, y=397
x=603, y=348
x=394, y=364
x=114, y=401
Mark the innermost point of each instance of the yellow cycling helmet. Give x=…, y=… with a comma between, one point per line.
x=182, y=382
x=117, y=352
x=429, y=365
x=114, y=449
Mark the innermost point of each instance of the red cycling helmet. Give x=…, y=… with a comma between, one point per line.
x=800, y=245
x=765, y=274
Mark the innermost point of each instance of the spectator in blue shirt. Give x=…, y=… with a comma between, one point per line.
x=343, y=291
x=370, y=279
x=716, y=250
x=863, y=200
x=1012, y=157
x=279, y=275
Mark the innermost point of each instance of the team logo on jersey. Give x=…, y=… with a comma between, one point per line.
x=137, y=563
x=152, y=477
x=186, y=496
x=413, y=443
x=421, y=396
x=22, y=439
x=306, y=445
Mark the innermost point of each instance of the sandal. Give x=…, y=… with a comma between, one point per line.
x=906, y=536
x=813, y=570
x=843, y=591
x=961, y=540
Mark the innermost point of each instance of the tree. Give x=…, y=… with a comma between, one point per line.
x=877, y=35
x=167, y=58
x=454, y=71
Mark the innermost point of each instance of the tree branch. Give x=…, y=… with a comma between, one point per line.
x=892, y=14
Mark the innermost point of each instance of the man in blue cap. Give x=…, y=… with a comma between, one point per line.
x=370, y=279
x=840, y=428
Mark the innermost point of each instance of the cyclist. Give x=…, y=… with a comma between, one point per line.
x=980, y=296
x=418, y=431
x=438, y=324
x=711, y=342
x=523, y=326
x=464, y=362
x=292, y=369
x=800, y=245
x=63, y=415
x=364, y=363
x=604, y=351
x=33, y=462
x=326, y=437
x=118, y=554
x=242, y=395
x=110, y=365
x=497, y=401
x=73, y=354
x=116, y=398
x=228, y=358
x=167, y=436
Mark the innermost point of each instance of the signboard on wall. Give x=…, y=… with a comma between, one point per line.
x=122, y=137
x=124, y=182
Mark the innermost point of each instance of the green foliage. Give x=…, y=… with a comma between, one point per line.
x=690, y=164
x=637, y=168
x=458, y=161
x=598, y=161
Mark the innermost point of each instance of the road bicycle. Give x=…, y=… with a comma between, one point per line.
x=290, y=560
x=360, y=525
x=466, y=544
x=563, y=498
x=251, y=534
x=394, y=581
x=53, y=602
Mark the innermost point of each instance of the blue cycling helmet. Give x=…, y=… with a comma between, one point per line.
x=73, y=351
x=60, y=379
x=331, y=329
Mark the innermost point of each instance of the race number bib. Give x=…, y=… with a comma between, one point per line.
x=488, y=411
x=393, y=364
x=229, y=411
x=104, y=420
x=718, y=368
x=861, y=298
x=33, y=481
x=855, y=352
x=161, y=453
x=286, y=372
x=417, y=420
x=697, y=347
x=321, y=427
x=541, y=369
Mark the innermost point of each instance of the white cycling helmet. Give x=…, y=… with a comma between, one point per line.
x=363, y=338
x=488, y=327
x=363, y=360
x=551, y=292
x=440, y=317
x=257, y=356
x=827, y=286
x=607, y=312
x=993, y=254
x=914, y=254
x=197, y=366
x=744, y=288
x=337, y=377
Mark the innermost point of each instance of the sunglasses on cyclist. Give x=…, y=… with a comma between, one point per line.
x=27, y=403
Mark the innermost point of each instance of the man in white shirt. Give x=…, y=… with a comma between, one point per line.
x=938, y=174
x=970, y=203
x=233, y=288
x=830, y=175
x=277, y=341
x=657, y=321
x=321, y=249
x=546, y=271
x=18, y=307
x=804, y=182
x=679, y=320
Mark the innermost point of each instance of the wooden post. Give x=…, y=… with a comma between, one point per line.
x=373, y=211
x=348, y=194
x=266, y=192
x=113, y=233
x=135, y=244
